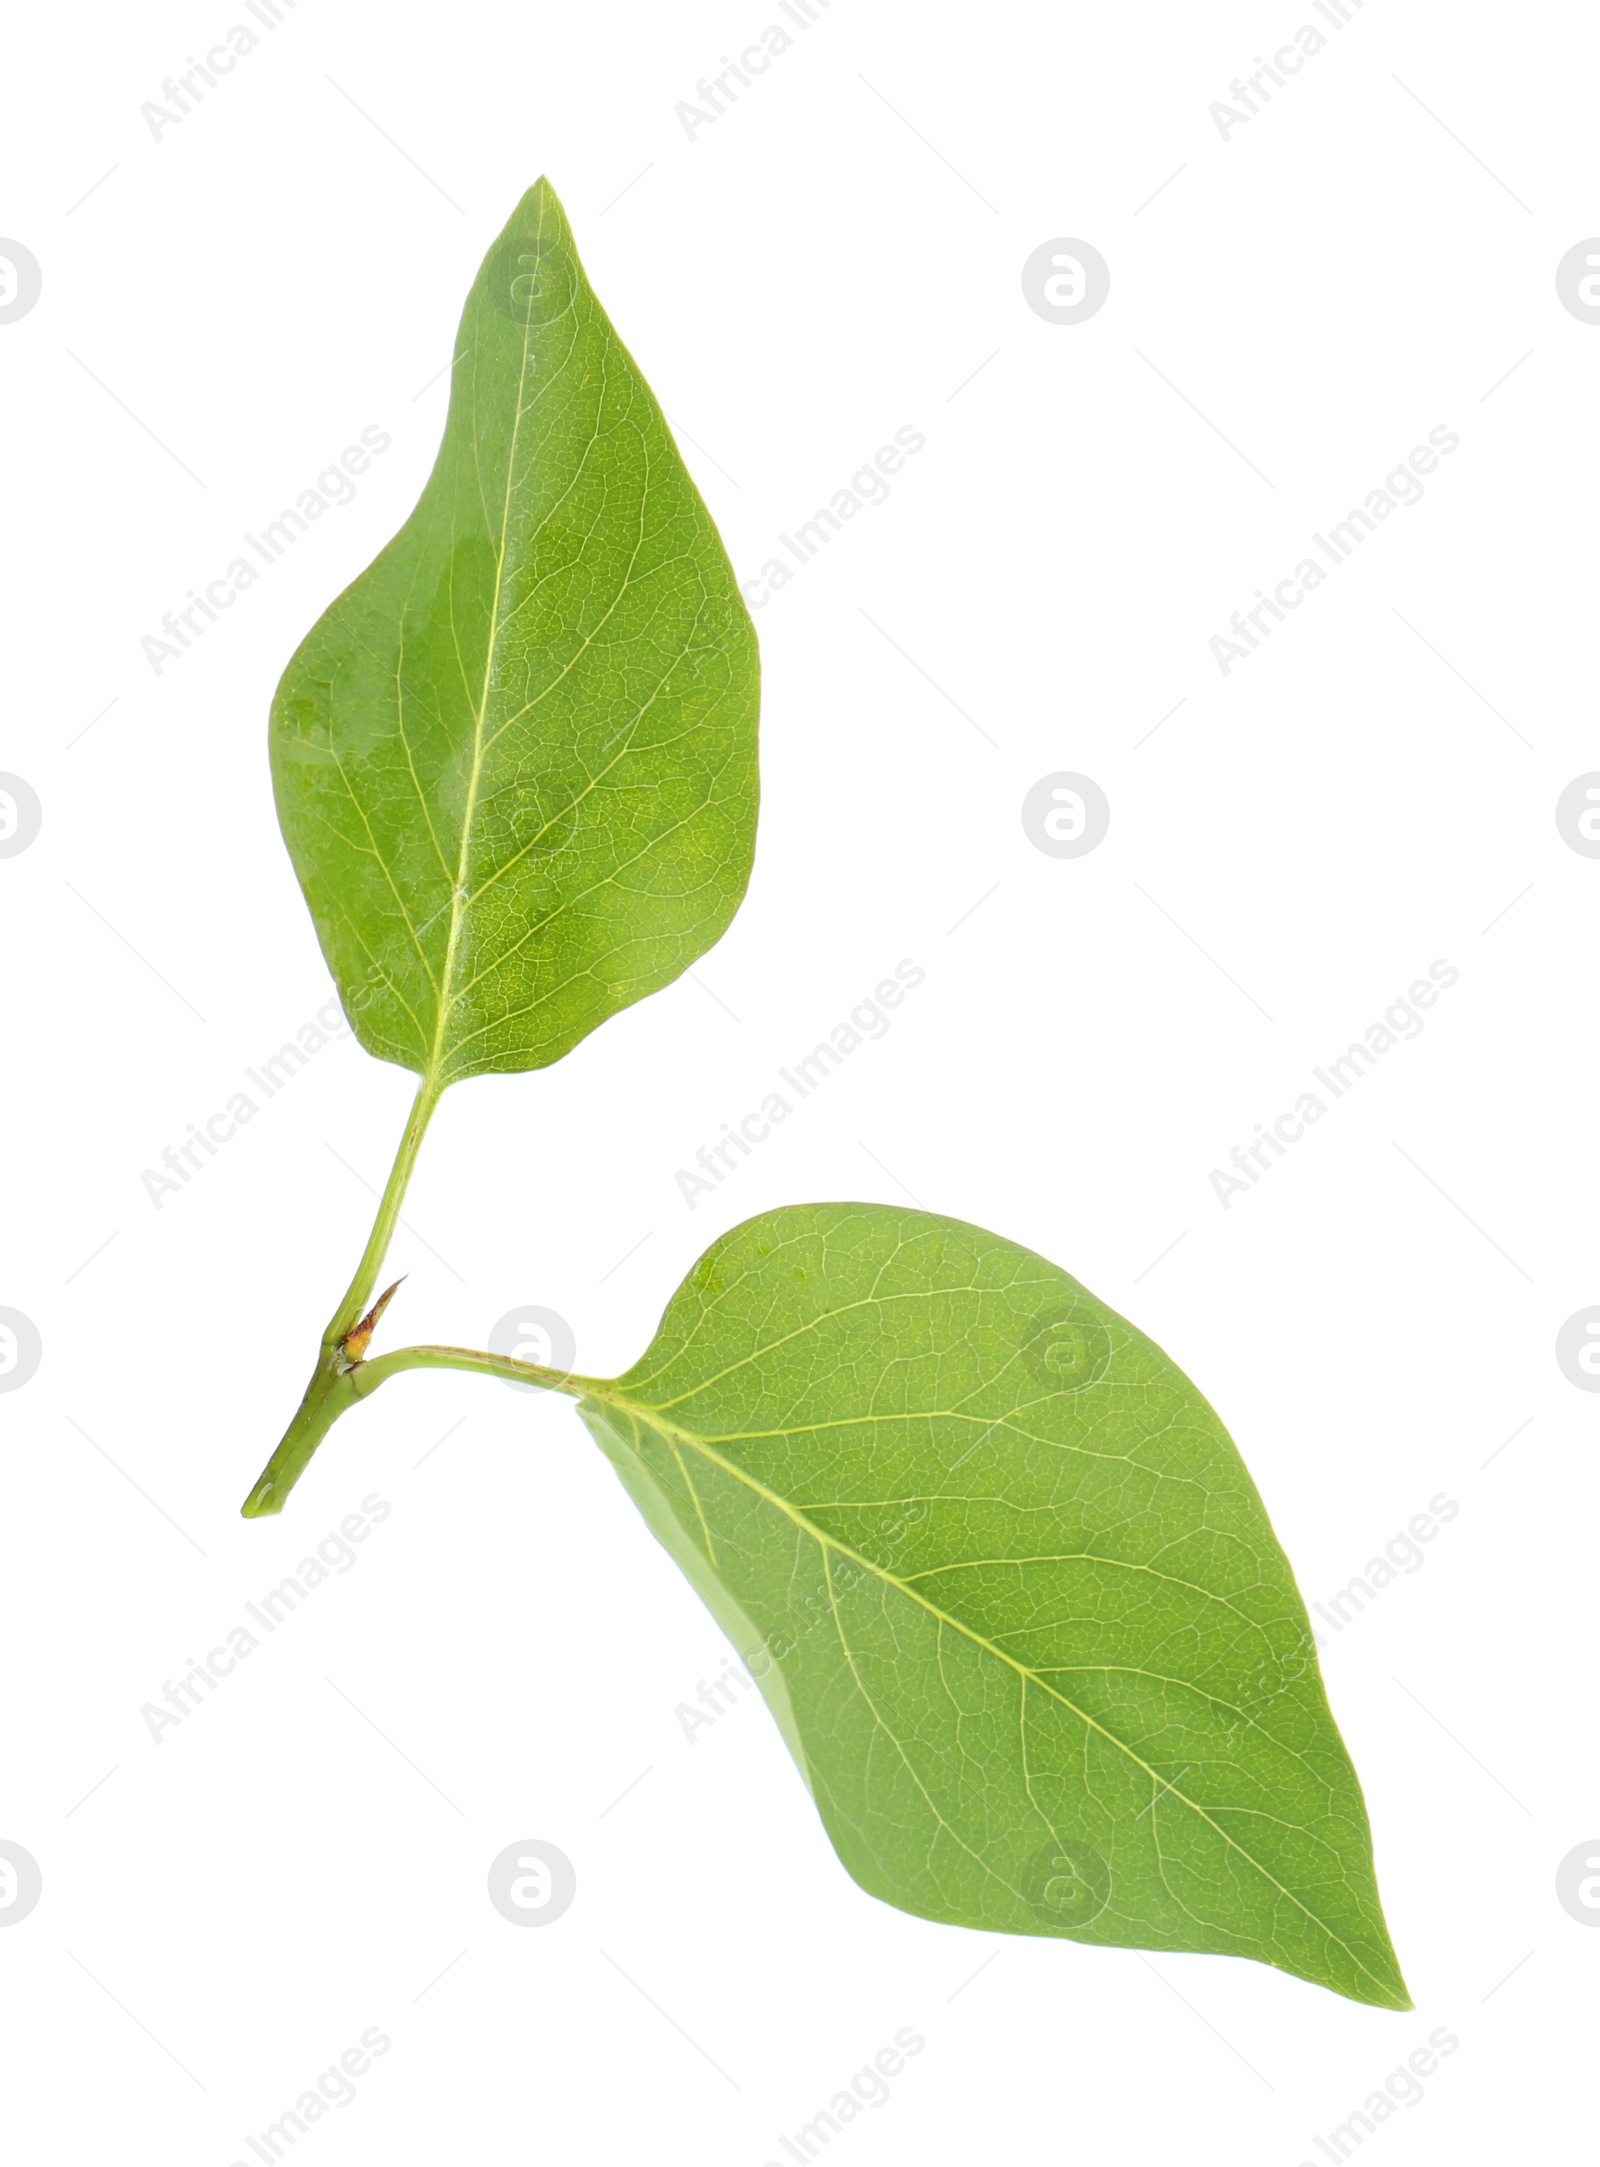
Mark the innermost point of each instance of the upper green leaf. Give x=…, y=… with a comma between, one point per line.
x=515, y=762
x=1009, y=1591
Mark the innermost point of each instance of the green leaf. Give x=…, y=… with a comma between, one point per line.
x=515, y=761
x=1009, y=1591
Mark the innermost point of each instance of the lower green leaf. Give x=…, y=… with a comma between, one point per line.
x=1009, y=1591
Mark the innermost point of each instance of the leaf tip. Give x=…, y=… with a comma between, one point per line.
x=1379, y=1987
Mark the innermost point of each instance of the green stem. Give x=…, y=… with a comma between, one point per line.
x=359, y=1292
x=369, y=1375
x=333, y=1390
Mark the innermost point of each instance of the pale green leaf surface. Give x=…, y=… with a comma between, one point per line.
x=515, y=760
x=1010, y=1591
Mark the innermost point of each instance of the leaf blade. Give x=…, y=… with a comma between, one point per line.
x=1073, y=1694
x=515, y=761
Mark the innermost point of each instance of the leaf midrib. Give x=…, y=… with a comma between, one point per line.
x=446, y=998
x=825, y=1541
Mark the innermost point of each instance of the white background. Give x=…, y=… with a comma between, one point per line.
x=831, y=259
